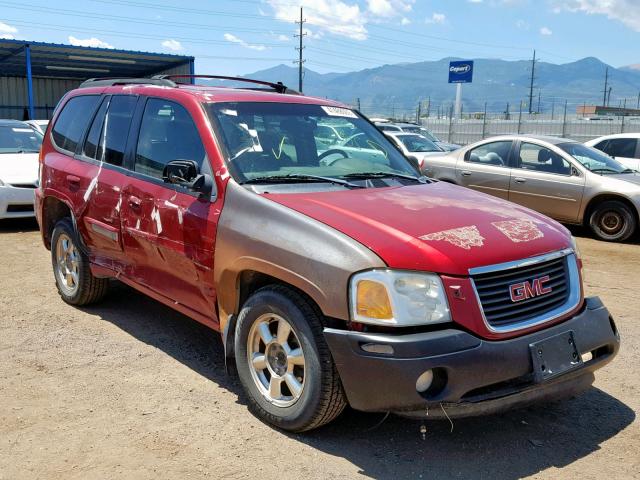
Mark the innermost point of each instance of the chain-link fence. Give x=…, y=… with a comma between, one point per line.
x=468, y=130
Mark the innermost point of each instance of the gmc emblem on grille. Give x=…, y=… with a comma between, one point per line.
x=525, y=290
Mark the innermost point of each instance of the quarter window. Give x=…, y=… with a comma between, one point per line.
x=541, y=159
x=73, y=121
x=494, y=153
x=92, y=147
x=167, y=133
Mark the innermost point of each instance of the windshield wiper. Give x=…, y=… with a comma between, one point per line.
x=300, y=178
x=603, y=170
x=366, y=175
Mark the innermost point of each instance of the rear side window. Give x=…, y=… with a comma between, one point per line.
x=73, y=121
x=167, y=133
x=494, y=153
x=115, y=130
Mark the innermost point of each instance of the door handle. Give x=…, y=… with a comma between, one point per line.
x=73, y=180
x=520, y=180
x=134, y=202
x=465, y=173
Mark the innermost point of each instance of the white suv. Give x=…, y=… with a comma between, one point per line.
x=624, y=147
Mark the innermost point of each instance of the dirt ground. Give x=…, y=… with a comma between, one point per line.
x=131, y=389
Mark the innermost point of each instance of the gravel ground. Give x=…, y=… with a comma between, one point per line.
x=131, y=389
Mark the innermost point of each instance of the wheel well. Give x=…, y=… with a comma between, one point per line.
x=594, y=202
x=53, y=211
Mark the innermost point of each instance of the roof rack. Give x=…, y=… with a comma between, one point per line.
x=109, y=82
x=278, y=87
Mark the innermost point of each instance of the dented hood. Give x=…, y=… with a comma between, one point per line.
x=434, y=227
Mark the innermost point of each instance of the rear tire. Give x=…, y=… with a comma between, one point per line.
x=612, y=221
x=74, y=280
x=284, y=363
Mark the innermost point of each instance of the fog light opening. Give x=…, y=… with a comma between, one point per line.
x=586, y=357
x=424, y=381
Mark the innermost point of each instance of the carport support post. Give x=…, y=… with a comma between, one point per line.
x=27, y=52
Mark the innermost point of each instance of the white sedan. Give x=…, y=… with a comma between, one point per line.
x=624, y=147
x=415, y=145
x=19, y=147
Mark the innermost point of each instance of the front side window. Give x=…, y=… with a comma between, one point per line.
x=541, y=159
x=167, y=133
x=18, y=139
x=593, y=159
x=73, y=121
x=276, y=139
x=622, y=147
x=494, y=153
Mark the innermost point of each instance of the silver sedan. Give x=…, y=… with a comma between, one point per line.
x=561, y=178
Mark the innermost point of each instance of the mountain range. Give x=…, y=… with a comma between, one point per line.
x=397, y=89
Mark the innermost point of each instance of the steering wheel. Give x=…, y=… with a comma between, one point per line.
x=333, y=151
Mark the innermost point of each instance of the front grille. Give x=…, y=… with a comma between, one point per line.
x=494, y=292
x=19, y=208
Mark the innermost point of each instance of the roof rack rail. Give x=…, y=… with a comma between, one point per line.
x=278, y=87
x=108, y=82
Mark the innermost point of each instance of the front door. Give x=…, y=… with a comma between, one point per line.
x=168, y=231
x=486, y=168
x=546, y=182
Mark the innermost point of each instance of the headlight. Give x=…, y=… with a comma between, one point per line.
x=398, y=298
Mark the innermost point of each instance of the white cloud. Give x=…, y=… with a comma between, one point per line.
x=233, y=39
x=172, y=44
x=89, y=42
x=625, y=11
x=437, y=18
x=405, y=21
x=522, y=25
x=475, y=1
x=7, y=31
x=545, y=31
x=333, y=16
x=345, y=18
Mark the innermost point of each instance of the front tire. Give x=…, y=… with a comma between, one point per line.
x=284, y=363
x=612, y=221
x=76, y=285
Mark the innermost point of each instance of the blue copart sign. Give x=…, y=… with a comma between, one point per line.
x=461, y=71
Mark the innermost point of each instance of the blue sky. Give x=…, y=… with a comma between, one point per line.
x=242, y=36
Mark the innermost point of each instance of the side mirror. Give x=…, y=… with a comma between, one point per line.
x=180, y=172
x=186, y=173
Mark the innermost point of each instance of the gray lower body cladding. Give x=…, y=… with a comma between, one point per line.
x=472, y=376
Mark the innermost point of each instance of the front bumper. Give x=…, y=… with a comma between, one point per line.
x=16, y=202
x=473, y=376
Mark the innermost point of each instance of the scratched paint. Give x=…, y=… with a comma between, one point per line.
x=463, y=237
x=519, y=230
x=155, y=215
x=175, y=207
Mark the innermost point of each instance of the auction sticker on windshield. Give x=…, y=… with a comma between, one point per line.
x=339, y=112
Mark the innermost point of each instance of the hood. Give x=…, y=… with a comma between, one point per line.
x=627, y=177
x=435, y=227
x=19, y=168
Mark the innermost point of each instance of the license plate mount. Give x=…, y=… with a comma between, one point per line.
x=554, y=356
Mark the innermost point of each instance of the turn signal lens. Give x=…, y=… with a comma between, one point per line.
x=373, y=300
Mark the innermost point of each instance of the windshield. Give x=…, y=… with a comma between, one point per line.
x=421, y=131
x=593, y=159
x=264, y=140
x=418, y=143
x=17, y=139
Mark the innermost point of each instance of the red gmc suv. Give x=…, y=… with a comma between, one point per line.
x=335, y=273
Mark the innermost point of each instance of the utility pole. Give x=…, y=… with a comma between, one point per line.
x=553, y=108
x=606, y=84
x=533, y=73
x=608, y=97
x=419, y=112
x=358, y=103
x=300, y=61
x=538, y=110
x=429, y=105
x=638, y=104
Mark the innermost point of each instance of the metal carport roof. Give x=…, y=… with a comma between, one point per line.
x=26, y=59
